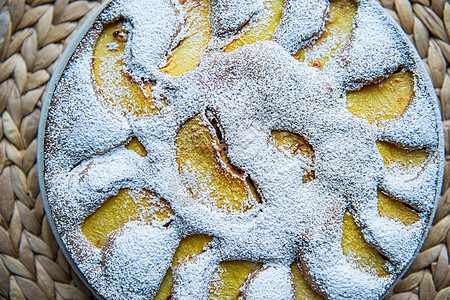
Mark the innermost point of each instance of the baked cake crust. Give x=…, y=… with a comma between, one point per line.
x=295, y=206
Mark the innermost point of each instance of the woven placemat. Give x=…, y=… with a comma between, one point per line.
x=33, y=34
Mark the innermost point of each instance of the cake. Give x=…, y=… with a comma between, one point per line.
x=241, y=149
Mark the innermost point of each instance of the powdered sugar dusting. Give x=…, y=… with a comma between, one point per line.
x=121, y=264
x=192, y=277
x=145, y=58
x=229, y=16
x=81, y=132
x=302, y=22
x=374, y=49
x=252, y=91
x=271, y=282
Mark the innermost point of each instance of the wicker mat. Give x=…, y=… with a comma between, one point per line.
x=33, y=34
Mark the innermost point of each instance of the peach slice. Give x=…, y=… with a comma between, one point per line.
x=188, y=247
x=137, y=147
x=187, y=55
x=128, y=205
x=338, y=29
x=358, y=251
x=405, y=159
x=301, y=288
x=293, y=145
x=230, y=277
x=115, y=87
x=395, y=210
x=262, y=29
x=208, y=175
x=383, y=101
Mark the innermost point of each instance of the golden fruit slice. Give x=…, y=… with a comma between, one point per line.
x=137, y=147
x=358, y=251
x=395, y=157
x=229, y=278
x=395, y=210
x=165, y=288
x=188, y=247
x=128, y=205
x=293, y=145
x=209, y=177
x=262, y=29
x=115, y=87
x=187, y=55
x=381, y=102
x=301, y=288
x=338, y=29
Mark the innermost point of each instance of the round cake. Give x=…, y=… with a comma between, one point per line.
x=241, y=149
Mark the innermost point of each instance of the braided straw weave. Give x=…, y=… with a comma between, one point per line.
x=33, y=34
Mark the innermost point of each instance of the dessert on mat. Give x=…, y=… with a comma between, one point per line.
x=242, y=149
